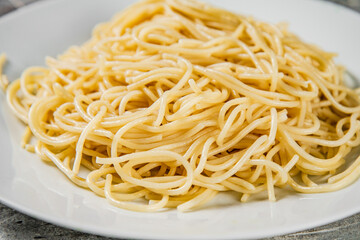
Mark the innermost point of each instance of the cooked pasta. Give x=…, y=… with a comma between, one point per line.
x=173, y=101
x=3, y=79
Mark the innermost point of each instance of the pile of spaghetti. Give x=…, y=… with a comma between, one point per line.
x=173, y=101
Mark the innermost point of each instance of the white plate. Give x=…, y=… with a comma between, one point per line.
x=40, y=190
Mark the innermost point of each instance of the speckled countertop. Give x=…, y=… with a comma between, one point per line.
x=15, y=225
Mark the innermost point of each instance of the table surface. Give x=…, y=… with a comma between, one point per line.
x=15, y=225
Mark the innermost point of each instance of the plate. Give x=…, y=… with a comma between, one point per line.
x=40, y=190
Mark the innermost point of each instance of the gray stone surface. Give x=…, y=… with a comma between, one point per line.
x=15, y=225
x=5, y=7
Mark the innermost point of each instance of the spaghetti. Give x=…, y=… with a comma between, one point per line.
x=173, y=101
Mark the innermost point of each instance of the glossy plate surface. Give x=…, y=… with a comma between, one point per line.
x=29, y=185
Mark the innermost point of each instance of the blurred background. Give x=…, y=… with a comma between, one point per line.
x=14, y=225
x=10, y=5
